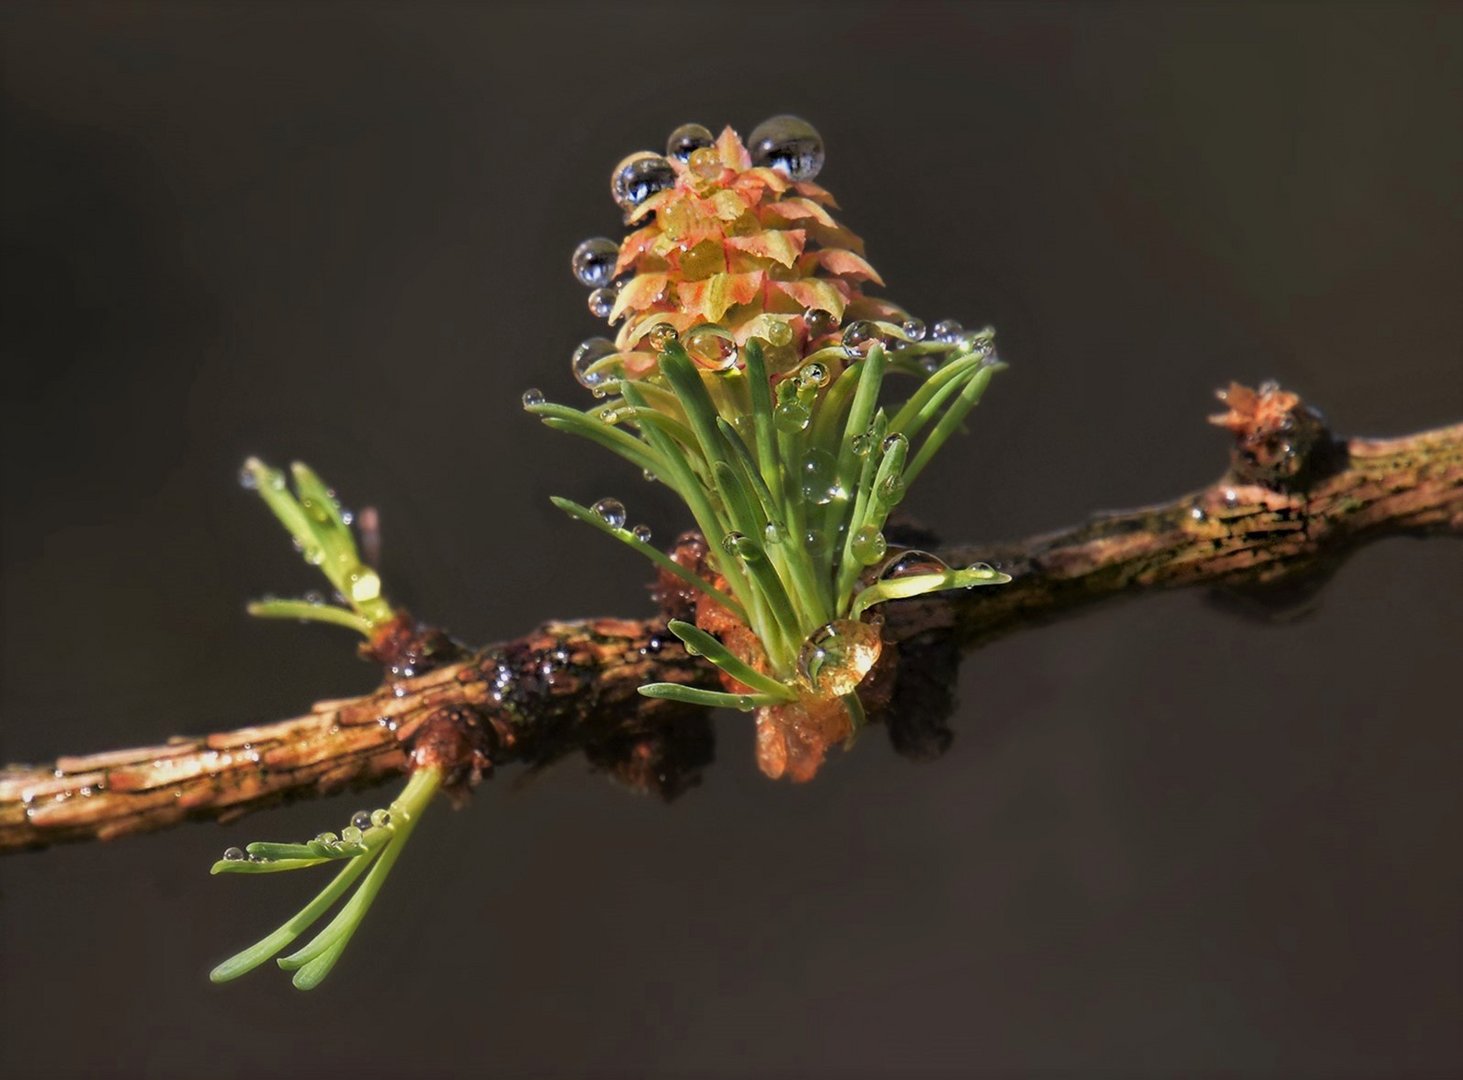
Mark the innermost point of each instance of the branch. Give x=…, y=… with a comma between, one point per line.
x=1294, y=502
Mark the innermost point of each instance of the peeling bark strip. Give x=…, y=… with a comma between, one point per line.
x=1293, y=504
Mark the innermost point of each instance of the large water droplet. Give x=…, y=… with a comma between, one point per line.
x=818, y=323
x=593, y=261
x=775, y=533
x=912, y=563
x=913, y=328
x=533, y=396
x=946, y=331
x=859, y=333
x=742, y=547
x=777, y=333
x=813, y=376
x=588, y=354
x=361, y=819
x=868, y=545
x=836, y=658
x=380, y=818
x=611, y=512
x=602, y=302
x=638, y=177
x=894, y=441
x=711, y=346
x=820, y=477
x=234, y=854
x=661, y=335
x=641, y=533
x=788, y=144
x=790, y=417
x=705, y=164
x=351, y=835
x=686, y=140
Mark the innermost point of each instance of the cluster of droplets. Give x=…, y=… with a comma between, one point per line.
x=327, y=844
x=788, y=144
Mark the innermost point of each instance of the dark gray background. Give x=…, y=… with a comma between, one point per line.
x=1166, y=841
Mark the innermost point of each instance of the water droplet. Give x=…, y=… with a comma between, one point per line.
x=610, y=414
x=818, y=323
x=858, y=333
x=641, y=533
x=686, y=140
x=893, y=441
x=946, y=330
x=705, y=164
x=977, y=343
x=361, y=819
x=777, y=333
x=813, y=376
x=593, y=261
x=661, y=335
x=838, y=656
x=347, y=517
x=327, y=838
x=234, y=854
x=931, y=362
x=590, y=353
x=788, y=144
x=742, y=547
x=602, y=302
x=638, y=177
x=611, y=512
x=247, y=479
x=791, y=417
x=649, y=476
x=868, y=545
x=892, y=489
x=1231, y=498
x=775, y=533
x=820, y=477
x=711, y=346
x=350, y=835
x=983, y=569
x=365, y=586
x=1197, y=514
x=913, y=328
x=314, y=598
x=533, y=396
x=380, y=818
x=911, y=564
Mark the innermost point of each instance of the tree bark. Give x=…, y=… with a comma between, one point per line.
x=1294, y=502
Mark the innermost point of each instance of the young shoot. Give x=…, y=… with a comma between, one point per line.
x=748, y=375
x=366, y=849
x=321, y=532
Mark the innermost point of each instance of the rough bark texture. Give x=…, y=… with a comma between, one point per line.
x=1294, y=502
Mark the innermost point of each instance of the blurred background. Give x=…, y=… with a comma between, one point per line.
x=1166, y=841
